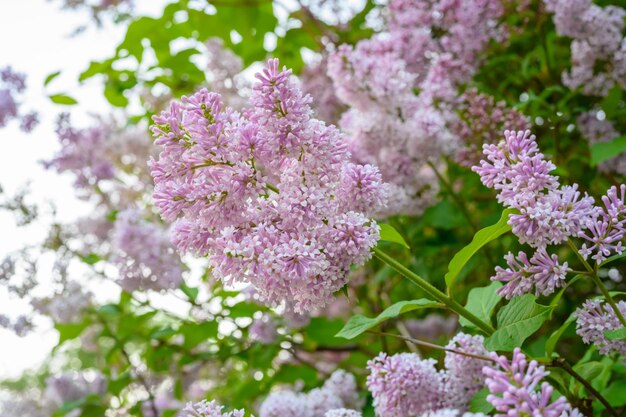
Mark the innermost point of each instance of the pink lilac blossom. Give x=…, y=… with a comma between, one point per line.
x=449, y=412
x=516, y=388
x=541, y=272
x=284, y=404
x=604, y=236
x=343, y=412
x=594, y=319
x=224, y=68
x=548, y=213
x=598, y=45
x=208, y=409
x=12, y=86
x=73, y=386
x=257, y=192
x=404, y=385
x=263, y=330
x=596, y=130
x=321, y=400
x=463, y=376
x=317, y=83
x=343, y=384
x=66, y=306
x=155, y=266
x=481, y=119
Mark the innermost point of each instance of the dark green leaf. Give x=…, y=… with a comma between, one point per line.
x=359, y=324
x=518, y=320
x=556, y=335
x=481, y=301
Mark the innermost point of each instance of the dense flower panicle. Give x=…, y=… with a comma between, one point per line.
x=155, y=266
x=548, y=213
x=263, y=330
x=321, y=400
x=604, y=236
x=260, y=192
x=542, y=271
x=317, y=83
x=516, y=388
x=449, y=412
x=596, y=130
x=463, y=375
x=598, y=47
x=224, y=68
x=343, y=412
x=343, y=384
x=594, y=319
x=481, y=121
x=208, y=409
x=12, y=85
x=404, y=385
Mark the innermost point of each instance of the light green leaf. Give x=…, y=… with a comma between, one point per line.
x=63, y=99
x=389, y=234
x=190, y=292
x=603, y=151
x=479, y=403
x=518, y=320
x=619, y=334
x=481, y=301
x=481, y=238
x=614, y=394
x=359, y=323
x=51, y=77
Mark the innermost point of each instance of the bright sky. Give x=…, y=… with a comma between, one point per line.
x=36, y=39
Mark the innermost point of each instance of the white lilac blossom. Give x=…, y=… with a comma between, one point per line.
x=463, y=376
x=598, y=47
x=404, y=385
x=260, y=193
x=594, y=319
x=143, y=254
x=208, y=409
x=263, y=330
x=542, y=272
x=516, y=388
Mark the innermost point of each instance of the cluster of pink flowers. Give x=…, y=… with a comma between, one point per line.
x=594, y=319
x=269, y=194
x=316, y=82
x=406, y=385
x=263, y=330
x=595, y=128
x=481, y=119
x=209, y=409
x=598, y=47
x=389, y=124
x=338, y=396
x=514, y=388
x=13, y=84
x=547, y=213
x=155, y=266
x=73, y=386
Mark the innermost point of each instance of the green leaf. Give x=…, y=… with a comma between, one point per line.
x=591, y=371
x=190, y=292
x=163, y=333
x=556, y=335
x=91, y=258
x=323, y=331
x=610, y=103
x=359, y=323
x=481, y=238
x=51, y=77
x=518, y=320
x=196, y=333
x=479, y=403
x=68, y=331
x=603, y=151
x=613, y=258
x=614, y=394
x=481, y=301
x=63, y=99
x=619, y=334
x=389, y=234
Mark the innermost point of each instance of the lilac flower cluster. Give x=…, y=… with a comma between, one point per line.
x=338, y=393
x=73, y=386
x=406, y=385
x=208, y=409
x=594, y=319
x=514, y=388
x=66, y=306
x=595, y=128
x=13, y=84
x=542, y=271
x=388, y=123
x=317, y=83
x=268, y=194
x=481, y=119
x=548, y=213
x=155, y=266
x=449, y=412
x=263, y=330
x=598, y=47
